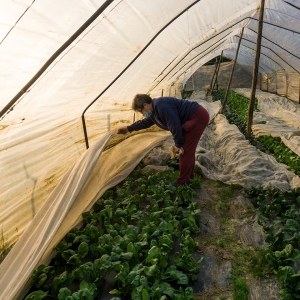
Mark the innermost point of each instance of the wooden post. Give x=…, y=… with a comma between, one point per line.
x=216, y=80
x=231, y=75
x=162, y=93
x=211, y=82
x=255, y=70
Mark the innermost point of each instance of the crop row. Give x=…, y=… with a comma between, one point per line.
x=237, y=113
x=279, y=214
x=282, y=153
x=236, y=110
x=129, y=236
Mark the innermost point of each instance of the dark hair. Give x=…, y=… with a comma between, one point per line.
x=139, y=100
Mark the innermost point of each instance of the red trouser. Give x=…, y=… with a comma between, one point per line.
x=192, y=131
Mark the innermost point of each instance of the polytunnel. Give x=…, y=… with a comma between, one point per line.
x=69, y=72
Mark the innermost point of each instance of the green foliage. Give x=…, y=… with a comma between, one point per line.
x=37, y=295
x=258, y=263
x=40, y=275
x=186, y=261
x=237, y=111
x=280, y=218
x=131, y=238
x=240, y=289
x=187, y=242
x=281, y=152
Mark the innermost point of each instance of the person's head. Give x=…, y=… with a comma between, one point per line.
x=141, y=103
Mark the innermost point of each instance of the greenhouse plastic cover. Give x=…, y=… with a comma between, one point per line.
x=147, y=46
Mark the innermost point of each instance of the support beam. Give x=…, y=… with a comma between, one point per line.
x=216, y=80
x=232, y=71
x=255, y=70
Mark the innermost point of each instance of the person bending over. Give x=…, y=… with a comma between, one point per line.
x=185, y=119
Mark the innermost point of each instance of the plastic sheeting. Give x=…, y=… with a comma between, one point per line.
x=278, y=66
x=192, y=33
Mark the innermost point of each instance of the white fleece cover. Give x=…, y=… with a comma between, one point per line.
x=280, y=115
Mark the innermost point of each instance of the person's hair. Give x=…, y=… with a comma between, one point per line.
x=139, y=100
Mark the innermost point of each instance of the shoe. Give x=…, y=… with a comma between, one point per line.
x=175, y=183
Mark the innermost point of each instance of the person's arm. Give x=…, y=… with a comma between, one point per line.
x=138, y=125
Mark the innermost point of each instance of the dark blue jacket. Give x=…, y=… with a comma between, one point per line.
x=169, y=114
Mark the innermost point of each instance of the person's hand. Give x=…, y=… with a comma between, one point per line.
x=176, y=150
x=122, y=130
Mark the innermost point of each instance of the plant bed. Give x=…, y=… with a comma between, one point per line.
x=236, y=113
x=128, y=241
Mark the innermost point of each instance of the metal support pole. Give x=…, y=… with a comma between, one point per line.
x=231, y=75
x=255, y=70
x=216, y=80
